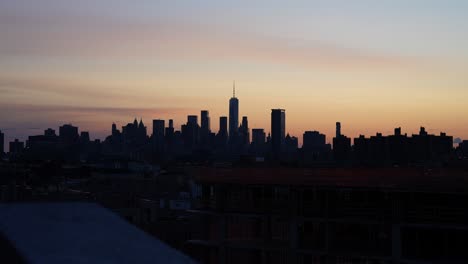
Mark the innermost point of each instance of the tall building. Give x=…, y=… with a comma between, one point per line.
x=84, y=137
x=341, y=145
x=16, y=147
x=223, y=129
x=278, y=130
x=205, y=128
x=115, y=131
x=233, y=114
x=68, y=133
x=49, y=132
x=2, y=142
x=205, y=121
x=158, y=135
x=192, y=119
x=190, y=132
x=258, y=136
x=222, y=136
x=313, y=140
x=338, y=129
x=244, y=131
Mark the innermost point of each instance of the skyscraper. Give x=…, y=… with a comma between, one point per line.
x=244, y=131
x=233, y=114
x=222, y=136
x=258, y=136
x=193, y=120
x=205, y=129
x=158, y=135
x=278, y=131
x=223, y=125
x=338, y=129
x=68, y=133
x=205, y=121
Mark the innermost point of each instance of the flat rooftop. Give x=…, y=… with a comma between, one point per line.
x=443, y=180
x=79, y=233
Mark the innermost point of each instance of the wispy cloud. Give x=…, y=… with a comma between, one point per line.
x=91, y=38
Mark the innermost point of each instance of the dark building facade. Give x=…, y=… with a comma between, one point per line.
x=329, y=216
x=158, y=136
x=278, y=131
x=68, y=134
x=16, y=147
x=233, y=116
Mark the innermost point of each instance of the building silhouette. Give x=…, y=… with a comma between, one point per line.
x=158, y=136
x=278, y=131
x=233, y=115
x=205, y=128
x=341, y=145
x=244, y=133
x=222, y=136
x=16, y=147
x=68, y=134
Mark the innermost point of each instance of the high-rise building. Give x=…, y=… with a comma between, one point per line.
x=205, y=129
x=313, y=140
x=222, y=136
x=205, y=121
x=192, y=119
x=223, y=129
x=16, y=146
x=115, y=132
x=278, y=130
x=341, y=145
x=244, y=131
x=158, y=135
x=49, y=132
x=338, y=129
x=170, y=131
x=2, y=142
x=158, y=128
x=84, y=137
x=258, y=136
x=68, y=133
x=233, y=114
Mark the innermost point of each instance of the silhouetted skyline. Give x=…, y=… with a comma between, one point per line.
x=83, y=63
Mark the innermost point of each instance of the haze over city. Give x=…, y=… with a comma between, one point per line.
x=371, y=65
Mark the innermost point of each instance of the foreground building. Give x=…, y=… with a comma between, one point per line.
x=260, y=215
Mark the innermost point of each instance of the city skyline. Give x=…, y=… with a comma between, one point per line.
x=329, y=132
x=86, y=64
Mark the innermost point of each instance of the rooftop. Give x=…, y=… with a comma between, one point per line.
x=79, y=233
x=443, y=180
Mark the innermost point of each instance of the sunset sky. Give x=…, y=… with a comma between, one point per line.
x=373, y=65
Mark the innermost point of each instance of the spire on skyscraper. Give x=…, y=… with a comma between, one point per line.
x=234, y=89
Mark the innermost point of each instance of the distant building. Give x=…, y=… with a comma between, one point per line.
x=49, y=132
x=244, y=132
x=341, y=146
x=158, y=135
x=313, y=140
x=68, y=134
x=278, y=131
x=16, y=147
x=258, y=136
x=233, y=115
x=222, y=136
x=205, y=128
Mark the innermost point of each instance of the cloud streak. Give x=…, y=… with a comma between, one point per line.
x=93, y=38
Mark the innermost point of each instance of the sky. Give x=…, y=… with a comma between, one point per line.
x=372, y=65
